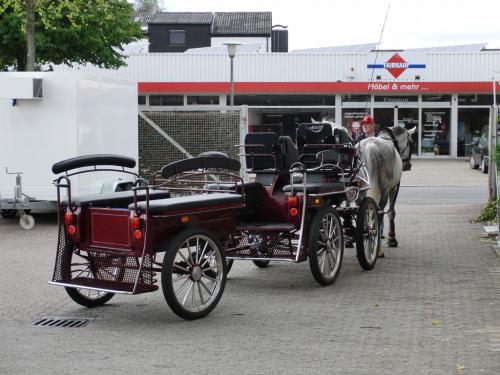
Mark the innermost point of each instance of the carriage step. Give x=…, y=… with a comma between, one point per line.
x=105, y=285
x=266, y=227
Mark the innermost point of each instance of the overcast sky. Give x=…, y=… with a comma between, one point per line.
x=410, y=24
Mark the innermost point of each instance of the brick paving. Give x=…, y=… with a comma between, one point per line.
x=432, y=306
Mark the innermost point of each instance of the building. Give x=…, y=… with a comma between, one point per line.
x=445, y=91
x=178, y=32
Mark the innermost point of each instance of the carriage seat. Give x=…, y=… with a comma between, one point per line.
x=266, y=152
x=253, y=197
x=315, y=187
x=119, y=199
x=189, y=202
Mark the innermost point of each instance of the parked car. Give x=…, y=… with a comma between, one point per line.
x=479, y=151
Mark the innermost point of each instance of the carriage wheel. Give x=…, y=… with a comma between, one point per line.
x=325, y=246
x=193, y=273
x=229, y=265
x=367, y=234
x=261, y=263
x=77, y=265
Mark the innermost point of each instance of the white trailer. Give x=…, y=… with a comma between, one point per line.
x=50, y=116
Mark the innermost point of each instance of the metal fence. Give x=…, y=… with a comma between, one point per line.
x=166, y=136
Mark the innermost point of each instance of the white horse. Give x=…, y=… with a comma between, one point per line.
x=386, y=157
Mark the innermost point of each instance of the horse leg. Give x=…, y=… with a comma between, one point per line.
x=382, y=204
x=393, y=195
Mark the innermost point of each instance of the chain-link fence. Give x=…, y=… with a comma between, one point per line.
x=168, y=136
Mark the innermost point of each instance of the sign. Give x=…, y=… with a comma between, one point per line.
x=396, y=65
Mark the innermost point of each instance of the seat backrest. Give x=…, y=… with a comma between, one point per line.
x=266, y=146
x=289, y=151
x=314, y=133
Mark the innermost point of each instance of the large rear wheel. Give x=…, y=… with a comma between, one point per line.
x=325, y=246
x=367, y=234
x=193, y=273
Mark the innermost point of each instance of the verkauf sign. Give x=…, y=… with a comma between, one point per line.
x=396, y=65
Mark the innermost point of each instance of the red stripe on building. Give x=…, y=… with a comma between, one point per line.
x=316, y=87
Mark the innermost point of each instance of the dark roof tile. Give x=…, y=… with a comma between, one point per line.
x=242, y=23
x=182, y=18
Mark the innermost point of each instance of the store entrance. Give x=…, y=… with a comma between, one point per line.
x=408, y=117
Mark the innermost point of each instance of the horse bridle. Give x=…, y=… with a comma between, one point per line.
x=389, y=131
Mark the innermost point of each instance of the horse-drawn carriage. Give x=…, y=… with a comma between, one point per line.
x=304, y=202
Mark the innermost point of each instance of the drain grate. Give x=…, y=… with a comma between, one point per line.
x=62, y=322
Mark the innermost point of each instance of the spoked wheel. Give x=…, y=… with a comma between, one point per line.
x=325, y=246
x=77, y=265
x=193, y=273
x=27, y=221
x=229, y=265
x=367, y=234
x=261, y=244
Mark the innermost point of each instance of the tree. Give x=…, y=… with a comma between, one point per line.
x=67, y=32
x=149, y=7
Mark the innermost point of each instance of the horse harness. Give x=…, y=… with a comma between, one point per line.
x=389, y=131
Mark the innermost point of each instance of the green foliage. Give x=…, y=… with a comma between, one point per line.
x=489, y=213
x=68, y=32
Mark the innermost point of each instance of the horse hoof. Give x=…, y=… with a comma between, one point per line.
x=381, y=256
x=392, y=242
x=349, y=245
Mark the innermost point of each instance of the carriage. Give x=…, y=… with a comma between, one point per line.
x=196, y=216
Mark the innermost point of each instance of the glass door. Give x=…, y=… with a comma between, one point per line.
x=408, y=117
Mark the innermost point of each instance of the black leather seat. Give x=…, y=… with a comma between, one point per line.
x=267, y=151
x=189, y=202
x=119, y=199
x=315, y=187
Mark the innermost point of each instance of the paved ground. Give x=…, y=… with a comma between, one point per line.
x=432, y=306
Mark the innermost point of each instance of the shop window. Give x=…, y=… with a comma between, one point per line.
x=435, y=131
x=177, y=37
x=470, y=123
x=351, y=120
x=476, y=99
x=202, y=100
x=167, y=100
x=436, y=98
x=356, y=98
x=396, y=98
x=141, y=100
x=284, y=100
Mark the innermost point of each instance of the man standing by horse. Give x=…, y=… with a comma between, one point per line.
x=368, y=126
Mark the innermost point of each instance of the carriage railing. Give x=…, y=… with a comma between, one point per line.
x=253, y=155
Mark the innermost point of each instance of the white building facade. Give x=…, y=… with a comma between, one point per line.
x=446, y=92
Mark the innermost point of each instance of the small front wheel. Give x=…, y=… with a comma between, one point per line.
x=77, y=265
x=27, y=221
x=367, y=234
x=325, y=246
x=193, y=273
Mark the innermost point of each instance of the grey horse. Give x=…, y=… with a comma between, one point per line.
x=386, y=157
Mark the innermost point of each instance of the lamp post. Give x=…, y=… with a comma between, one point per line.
x=231, y=51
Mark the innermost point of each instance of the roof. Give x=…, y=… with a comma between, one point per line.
x=242, y=23
x=354, y=48
x=243, y=48
x=204, y=18
x=450, y=49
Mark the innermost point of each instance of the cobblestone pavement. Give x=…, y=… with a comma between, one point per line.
x=432, y=306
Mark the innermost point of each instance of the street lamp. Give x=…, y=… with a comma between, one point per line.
x=231, y=51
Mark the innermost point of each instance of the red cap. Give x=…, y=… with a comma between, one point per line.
x=368, y=120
